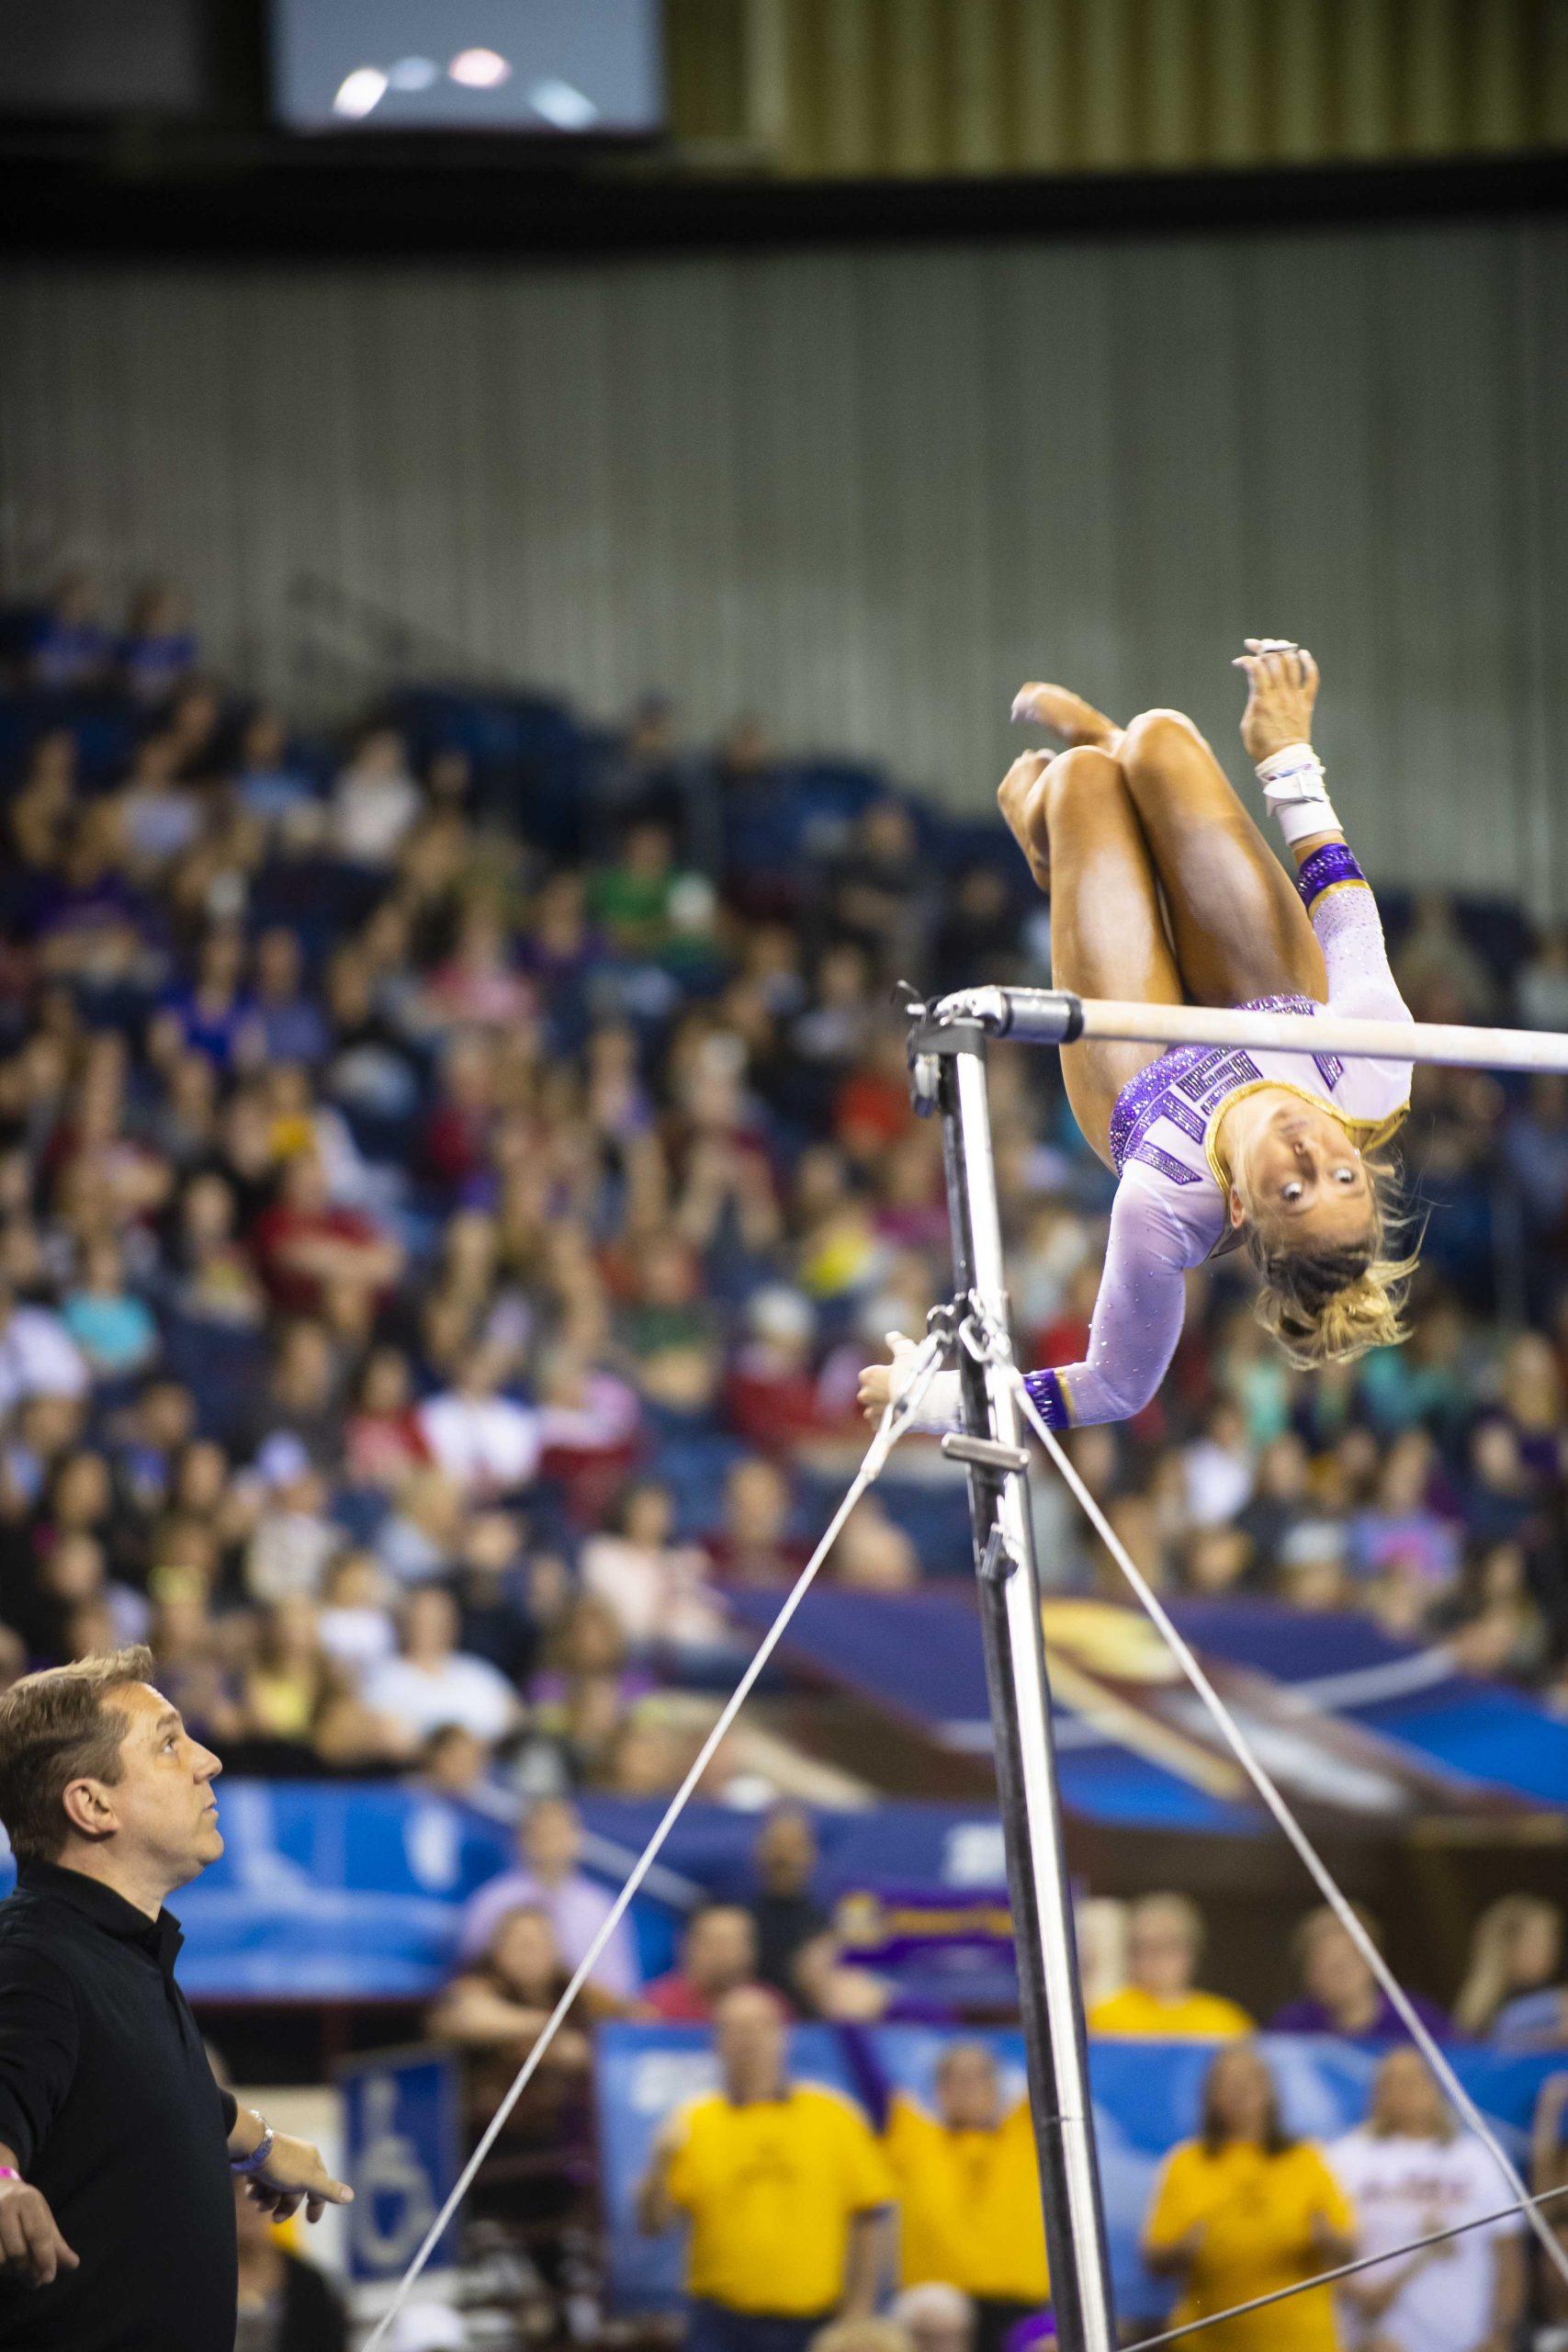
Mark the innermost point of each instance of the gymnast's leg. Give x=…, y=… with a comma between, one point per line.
x=1239, y=929
x=1075, y=819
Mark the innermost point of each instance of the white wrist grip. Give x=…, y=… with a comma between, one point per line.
x=1293, y=786
x=940, y=1408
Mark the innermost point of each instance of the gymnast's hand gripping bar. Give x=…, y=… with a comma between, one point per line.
x=1057, y=1017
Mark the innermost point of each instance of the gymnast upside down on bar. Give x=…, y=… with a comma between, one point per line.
x=1164, y=890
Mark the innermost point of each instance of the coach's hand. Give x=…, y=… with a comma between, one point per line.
x=31, y=2248
x=295, y=2175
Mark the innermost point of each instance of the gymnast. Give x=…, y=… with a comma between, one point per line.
x=1164, y=890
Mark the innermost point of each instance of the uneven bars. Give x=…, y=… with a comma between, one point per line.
x=1057, y=1017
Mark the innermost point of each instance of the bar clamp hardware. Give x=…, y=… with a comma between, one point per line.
x=984, y=1452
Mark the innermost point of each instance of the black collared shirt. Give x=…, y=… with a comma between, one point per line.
x=107, y=2097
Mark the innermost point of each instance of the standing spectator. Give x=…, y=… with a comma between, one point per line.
x=1409, y=2171
x=1339, y=1994
x=1245, y=2209
x=786, y=1913
x=433, y=1682
x=1164, y=1940
x=786, y=2191
x=1515, y=1954
x=969, y=2193
x=718, y=1953
x=548, y=1874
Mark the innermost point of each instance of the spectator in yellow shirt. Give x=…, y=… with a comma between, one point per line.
x=1242, y=2210
x=783, y=2186
x=969, y=2193
x=1164, y=1941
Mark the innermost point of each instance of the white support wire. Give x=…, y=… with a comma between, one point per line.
x=1235, y=1739
x=894, y=1421
x=1346, y=2270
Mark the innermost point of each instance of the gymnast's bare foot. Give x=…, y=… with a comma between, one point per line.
x=1067, y=715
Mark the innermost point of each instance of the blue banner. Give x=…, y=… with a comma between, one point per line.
x=1352, y=1720
x=1146, y=2099
x=335, y=1890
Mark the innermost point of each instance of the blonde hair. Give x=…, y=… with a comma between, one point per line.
x=1329, y=1305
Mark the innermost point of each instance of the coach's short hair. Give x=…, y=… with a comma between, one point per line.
x=55, y=1727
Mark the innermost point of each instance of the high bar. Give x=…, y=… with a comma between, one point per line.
x=1057, y=1017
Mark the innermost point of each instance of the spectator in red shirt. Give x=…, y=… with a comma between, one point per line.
x=872, y=1110
x=718, y=1955
x=307, y=1247
x=771, y=1394
x=457, y=1134
x=383, y=1440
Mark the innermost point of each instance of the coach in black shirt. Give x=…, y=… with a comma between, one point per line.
x=117, y=2220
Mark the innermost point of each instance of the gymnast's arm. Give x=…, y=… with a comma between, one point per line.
x=1138, y=1315
x=1133, y=1335
x=1276, y=731
x=1338, y=900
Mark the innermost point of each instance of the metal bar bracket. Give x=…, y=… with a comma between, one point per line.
x=984, y=1452
x=997, y=1562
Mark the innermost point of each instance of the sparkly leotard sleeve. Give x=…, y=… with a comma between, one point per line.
x=1170, y=1207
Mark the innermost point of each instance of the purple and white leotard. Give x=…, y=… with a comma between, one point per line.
x=1171, y=1208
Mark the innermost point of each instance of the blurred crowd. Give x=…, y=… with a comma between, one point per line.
x=450, y=1177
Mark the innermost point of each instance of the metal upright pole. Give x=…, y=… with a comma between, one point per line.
x=950, y=1073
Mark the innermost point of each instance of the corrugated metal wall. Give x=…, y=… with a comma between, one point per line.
x=848, y=87
x=865, y=495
